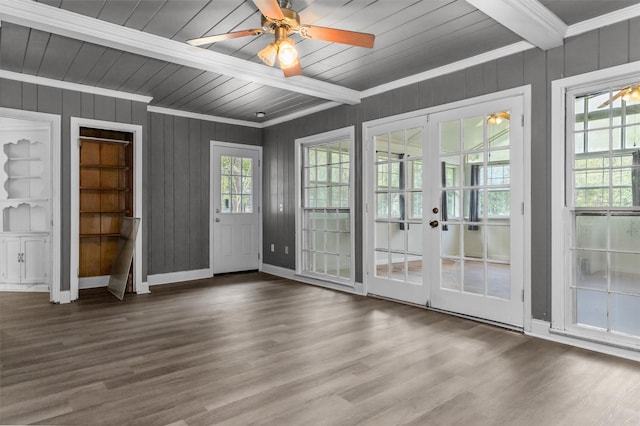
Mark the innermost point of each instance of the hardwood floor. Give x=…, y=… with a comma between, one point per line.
x=253, y=348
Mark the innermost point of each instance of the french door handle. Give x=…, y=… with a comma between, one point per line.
x=434, y=223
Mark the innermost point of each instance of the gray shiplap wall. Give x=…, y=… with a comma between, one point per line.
x=67, y=104
x=178, y=188
x=606, y=47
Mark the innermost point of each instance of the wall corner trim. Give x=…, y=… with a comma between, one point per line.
x=50, y=82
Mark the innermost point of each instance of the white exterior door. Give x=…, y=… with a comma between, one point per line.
x=394, y=232
x=476, y=221
x=235, y=205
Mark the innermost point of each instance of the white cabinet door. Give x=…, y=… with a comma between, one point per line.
x=34, y=259
x=10, y=260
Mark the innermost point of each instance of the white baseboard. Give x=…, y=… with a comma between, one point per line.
x=291, y=275
x=176, y=277
x=542, y=330
x=35, y=288
x=93, y=282
x=143, y=288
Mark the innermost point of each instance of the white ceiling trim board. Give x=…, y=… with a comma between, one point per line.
x=301, y=113
x=630, y=12
x=527, y=18
x=204, y=117
x=43, y=81
x=62, y=22
x=511, y=49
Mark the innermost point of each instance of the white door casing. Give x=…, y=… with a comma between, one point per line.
x=235, y=207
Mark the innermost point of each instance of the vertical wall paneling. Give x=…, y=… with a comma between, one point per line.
x=11, y=94
x=454, y=87
x=49, y=99
x=581, y=53
x=105, y=107
x=139, y=116
x=208, y=131
x=169, y=179
x=425, y=94
x=195, y=200
x=157, y=201
x=614, y=45
x=474, y=79
x=29, y=96
x=88, y=110
x=633, y=37
x=123, y=111
x=181, y=193
x=511, y=71
x=490, y=76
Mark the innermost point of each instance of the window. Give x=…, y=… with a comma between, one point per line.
x=325, y=245
x=236, y=182
x=602, y=196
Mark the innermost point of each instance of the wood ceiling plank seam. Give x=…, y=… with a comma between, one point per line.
x=141, y=75
x=172, y=16
x=176, y=80
x=139, y=14
x=99, y=69
x=182, y=88
x=110, y=67
x=15, y=42
x=200, y=25
x=146, y=60
x=200, y=91
x=391, y=27
x=191, y=19
x=233, y=95
x=167, y=69
x=153, y=15
x=79, y=68
x=86, y=8
x=126, y=65
x=116, y=13
x=38, y=42
x=206, y=98
x=414, y=51
x=392, y=49
x=393, y=39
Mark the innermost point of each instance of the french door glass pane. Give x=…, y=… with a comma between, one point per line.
x=476, y=205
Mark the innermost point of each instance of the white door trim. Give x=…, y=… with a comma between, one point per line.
x=258, y=185
x=525, y=92
x=74, y=230
x=55, y=193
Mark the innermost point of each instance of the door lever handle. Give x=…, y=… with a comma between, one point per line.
x=434, y=223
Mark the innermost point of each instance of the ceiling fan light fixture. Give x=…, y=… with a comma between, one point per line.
x=268, y=54
x=287, y=53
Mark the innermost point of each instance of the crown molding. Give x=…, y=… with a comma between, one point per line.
x=527, y=18
x=43, y=81
x=630, y=12
x=501, y=52
x=205, y=117
x=301, y=113
x=68, y=24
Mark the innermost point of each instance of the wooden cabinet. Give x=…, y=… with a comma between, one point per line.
x=105, y=197
x=25, y=205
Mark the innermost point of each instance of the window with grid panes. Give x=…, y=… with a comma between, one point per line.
x=326, y=212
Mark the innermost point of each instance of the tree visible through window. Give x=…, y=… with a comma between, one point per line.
x=236, y=184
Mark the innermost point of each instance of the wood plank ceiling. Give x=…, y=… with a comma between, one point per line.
x=412, y=36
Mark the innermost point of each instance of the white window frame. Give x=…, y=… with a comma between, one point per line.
x=561, y=216
x=346, y=133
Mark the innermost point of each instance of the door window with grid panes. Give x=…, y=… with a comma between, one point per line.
x=603, y=196
x=325, y=222
x=236, y=184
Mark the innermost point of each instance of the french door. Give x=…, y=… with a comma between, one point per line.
x=444, y=208
x=235, y=205
x=476, y=177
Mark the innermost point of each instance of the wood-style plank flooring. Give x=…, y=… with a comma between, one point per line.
x=253, y=348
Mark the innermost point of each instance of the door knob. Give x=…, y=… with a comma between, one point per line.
x=217, y=219
x=434, y=223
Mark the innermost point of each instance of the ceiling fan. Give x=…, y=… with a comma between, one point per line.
x=282, y=21
x=627, y=94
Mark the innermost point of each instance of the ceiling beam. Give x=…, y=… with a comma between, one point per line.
x=68, y=24
x=527, y=18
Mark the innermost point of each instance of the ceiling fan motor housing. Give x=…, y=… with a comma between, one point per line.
x=291, y=21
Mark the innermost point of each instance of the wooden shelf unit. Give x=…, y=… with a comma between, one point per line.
x=106, y=196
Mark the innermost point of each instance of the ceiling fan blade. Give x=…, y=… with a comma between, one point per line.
x=227, y=36
x=294, y=69
x=622, y=92
x=337, y=36
x=270, y=9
